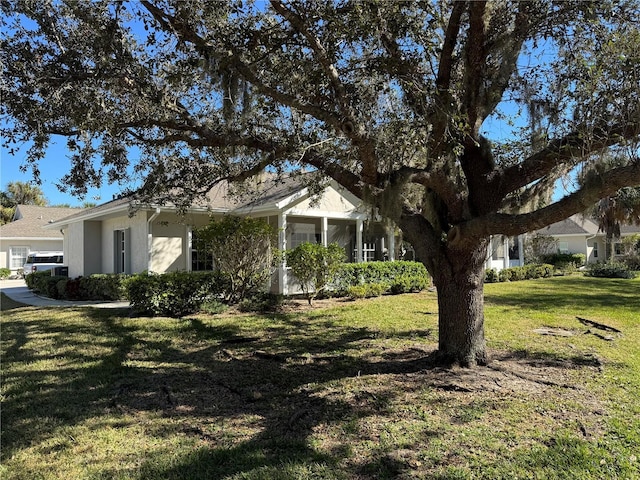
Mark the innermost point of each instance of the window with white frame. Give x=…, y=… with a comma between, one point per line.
x=201, y=260
x=563, y=247
x=17, y=256
x=595, y=249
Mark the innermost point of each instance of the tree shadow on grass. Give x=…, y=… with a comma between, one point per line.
x=95, y=371
x=242, y=402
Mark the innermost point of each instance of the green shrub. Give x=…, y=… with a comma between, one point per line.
x=174, y=294
x=566, y=268
x=491, y=276
x=514, y=274
x=44, y=283
x=408, y=283
x=610, y=270
x=4, y=273
x=632, y=261
x=357, y=291
x=48, y=285
x=376, y=289
x=400, y=276
x=557, y=259
x=103, y=286
x=504, y=275
x=261, y=302
x=33, y=280
x=213, y=307
x=367, y=290
x=243, y=249
x=544, y=270
x=70, y=289
x=314, y=266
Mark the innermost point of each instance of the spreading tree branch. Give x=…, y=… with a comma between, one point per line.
x=576, y=145
x=594, y=188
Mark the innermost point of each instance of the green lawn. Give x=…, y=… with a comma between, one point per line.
x=343, y=392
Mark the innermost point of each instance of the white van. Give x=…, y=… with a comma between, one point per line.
x=39, y=261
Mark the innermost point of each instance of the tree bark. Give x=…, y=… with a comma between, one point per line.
x=460, y=285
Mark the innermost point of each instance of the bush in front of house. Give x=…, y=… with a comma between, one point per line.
x=104, y=286
x=243, y=249
x=565, y=260
x=610, y=270
x=44, y=283
x=174, y=294
x=632, y=261
x=514, y=274
x=4, y=273
x=367, y=290
x=491, y=276
x=314, y=266
x=261, y=302
x=399, y=277
x=107, y=286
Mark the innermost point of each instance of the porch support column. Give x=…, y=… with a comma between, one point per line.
x=150, y=220
x=282, y=245
x=521, y=249
x=392, y=244
x=359, y=230
x=487, y=262
x=325, y=232
x=505, y=248
x=189, y=254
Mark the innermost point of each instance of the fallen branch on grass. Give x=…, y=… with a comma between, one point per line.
x=599, y=326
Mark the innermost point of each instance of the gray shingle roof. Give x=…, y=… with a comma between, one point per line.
x=574, y=225
x=577, y=225
x=31, y=218
x=222, y=197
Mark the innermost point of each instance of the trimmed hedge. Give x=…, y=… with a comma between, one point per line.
x=513, y=274
x=44, y=283
x=560, y=260
x=367, y=290
x=4, y=273
x=174, y=294
x=610, y=270
x=112, y=286
x=397, y=277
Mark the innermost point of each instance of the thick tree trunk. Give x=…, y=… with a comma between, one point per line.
x=460, y=284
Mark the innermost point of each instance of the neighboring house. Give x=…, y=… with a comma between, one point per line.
x=24, y=234
x=577, y=234
x=112, y=238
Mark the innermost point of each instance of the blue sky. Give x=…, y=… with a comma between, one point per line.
x=52, y=168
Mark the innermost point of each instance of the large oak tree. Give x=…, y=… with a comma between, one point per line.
x=390, y=99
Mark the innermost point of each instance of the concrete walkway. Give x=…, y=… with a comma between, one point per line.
x=17, y=290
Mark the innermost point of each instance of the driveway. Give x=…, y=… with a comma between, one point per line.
x=17, y=290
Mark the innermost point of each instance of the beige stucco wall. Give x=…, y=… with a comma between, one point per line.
x=170, y=246
x=575, y=243
x=591, y=258
x=330, y=201
x=138, y=250
x=74, y=249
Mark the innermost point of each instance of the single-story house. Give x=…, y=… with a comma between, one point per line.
x=577, y=234
x=25, y=235
x=113, y=238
